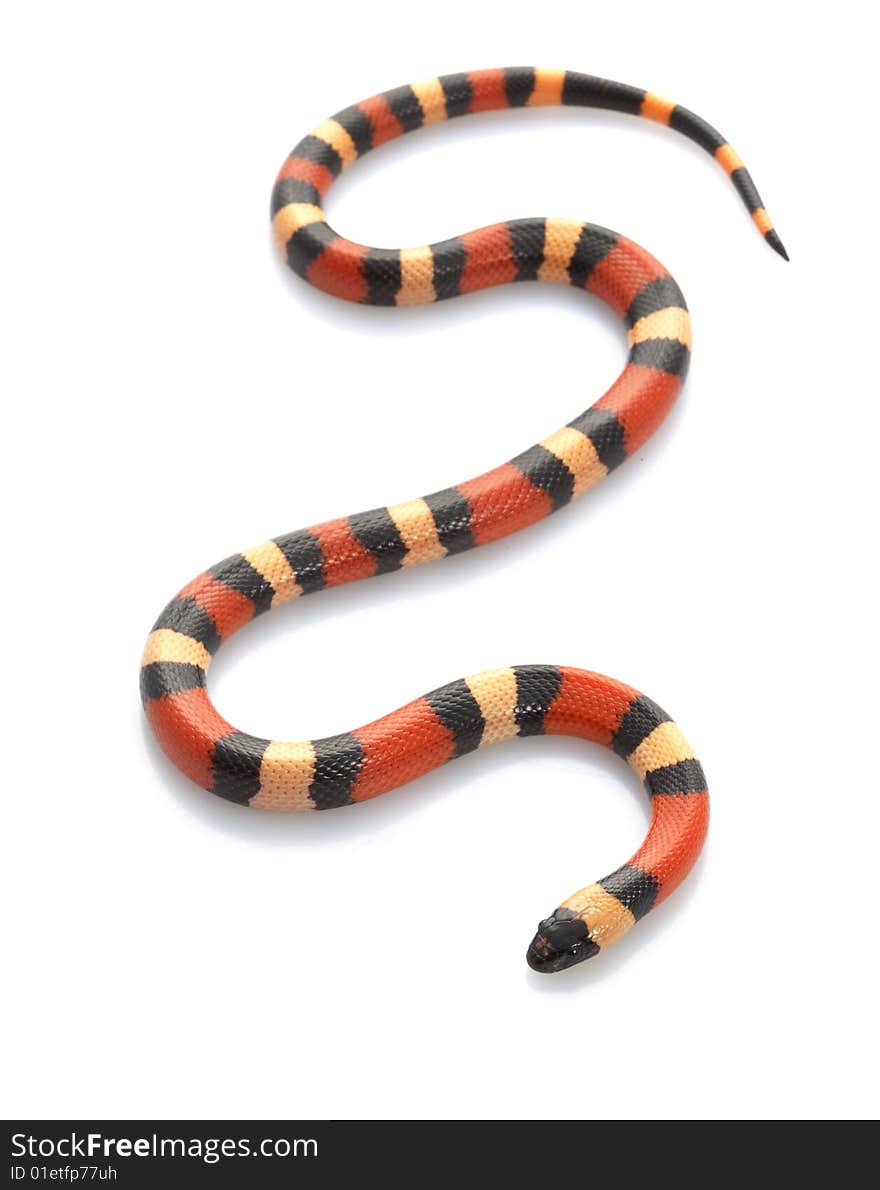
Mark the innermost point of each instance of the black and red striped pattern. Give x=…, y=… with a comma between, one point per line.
x=376, y=275
x=484, y=708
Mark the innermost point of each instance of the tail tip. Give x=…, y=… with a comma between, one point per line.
x=775, y=243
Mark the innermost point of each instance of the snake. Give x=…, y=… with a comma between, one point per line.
x=501, y=704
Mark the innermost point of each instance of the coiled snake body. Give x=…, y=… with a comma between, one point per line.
x=522, y=700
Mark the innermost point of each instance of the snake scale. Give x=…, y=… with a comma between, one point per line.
x=523, y=700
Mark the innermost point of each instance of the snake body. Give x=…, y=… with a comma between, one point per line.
x=523, y=700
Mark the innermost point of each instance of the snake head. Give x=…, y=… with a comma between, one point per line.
x=561, y=941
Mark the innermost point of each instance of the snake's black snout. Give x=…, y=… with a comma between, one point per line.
x=561, y=941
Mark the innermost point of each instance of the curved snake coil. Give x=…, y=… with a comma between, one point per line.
x=523, y=700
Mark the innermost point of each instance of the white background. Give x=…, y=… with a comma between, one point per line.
x=173, y=394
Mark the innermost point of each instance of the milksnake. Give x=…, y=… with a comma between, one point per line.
x=523, y=700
